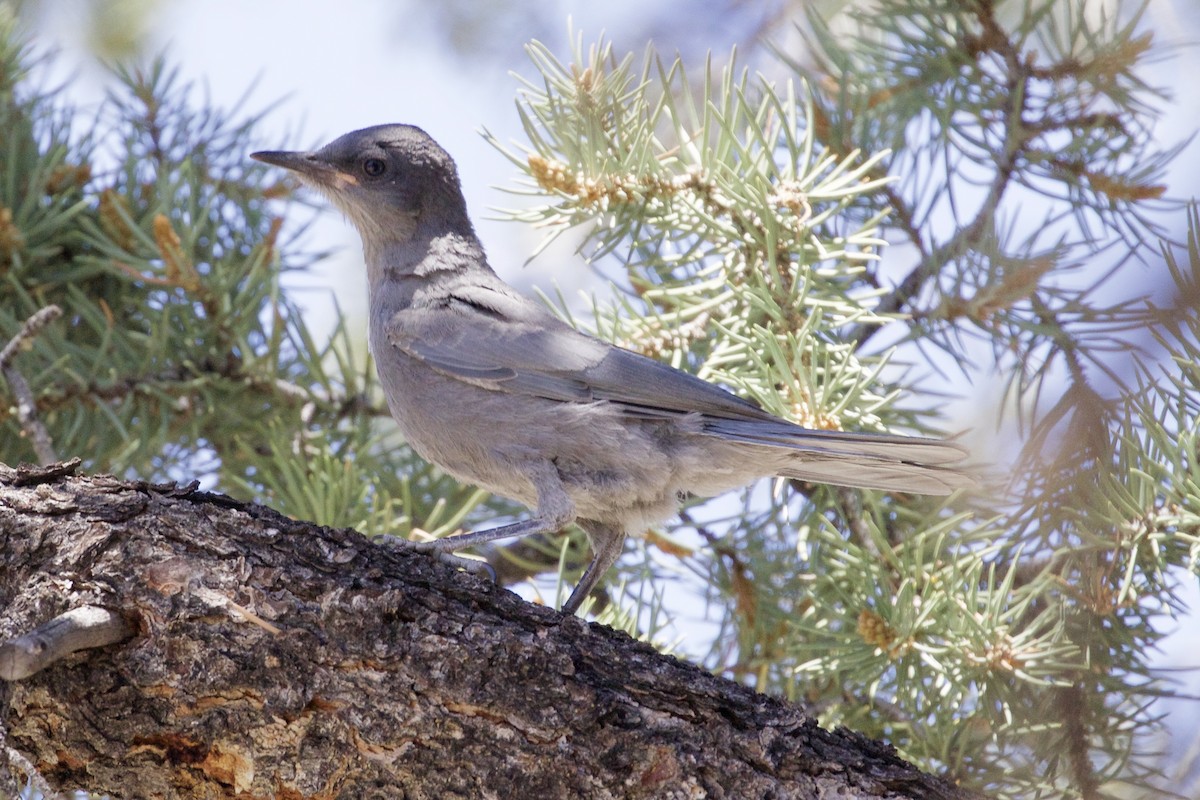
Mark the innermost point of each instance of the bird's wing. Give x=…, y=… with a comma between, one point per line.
x=502, y=341
x=506, y=342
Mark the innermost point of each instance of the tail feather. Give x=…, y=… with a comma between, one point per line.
x=864, y=460
x=890, y=476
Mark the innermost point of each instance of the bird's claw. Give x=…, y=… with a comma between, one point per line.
x=437, y=549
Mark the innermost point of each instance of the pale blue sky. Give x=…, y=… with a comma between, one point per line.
x=340, y=66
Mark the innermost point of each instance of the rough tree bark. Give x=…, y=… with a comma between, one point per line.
x=265, y=657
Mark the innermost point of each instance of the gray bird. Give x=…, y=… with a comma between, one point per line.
x=498, y=392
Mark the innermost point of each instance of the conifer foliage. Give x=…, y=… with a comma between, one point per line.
x=1001, y=637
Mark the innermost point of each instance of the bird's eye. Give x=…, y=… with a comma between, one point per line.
x=374, y=167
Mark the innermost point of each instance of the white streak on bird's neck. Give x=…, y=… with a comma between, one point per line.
x=400, y=270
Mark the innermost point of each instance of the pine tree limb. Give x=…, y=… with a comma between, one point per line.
x=377, y=667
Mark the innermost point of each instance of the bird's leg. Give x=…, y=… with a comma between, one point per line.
x=607, y=543
x=444, y=548
x=554, y=511
x=459, y=541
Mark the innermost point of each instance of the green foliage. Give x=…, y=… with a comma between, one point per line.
x=1001, y=638
x=732, y=218
x=178, y=354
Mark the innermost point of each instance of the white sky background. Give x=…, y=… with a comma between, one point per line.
x=341, y=66
x=336, y=67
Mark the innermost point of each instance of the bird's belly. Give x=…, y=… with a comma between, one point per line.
x=613, y=468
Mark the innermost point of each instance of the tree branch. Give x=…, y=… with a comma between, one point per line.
x=26, y=405
x=1016, y=137
x=83, y=628
x=276, y=658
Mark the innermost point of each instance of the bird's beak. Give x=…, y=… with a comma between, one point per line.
x=310, y=167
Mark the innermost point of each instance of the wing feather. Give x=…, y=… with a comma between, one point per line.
x=492, y=337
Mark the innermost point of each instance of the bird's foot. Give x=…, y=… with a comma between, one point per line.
x=439, y=550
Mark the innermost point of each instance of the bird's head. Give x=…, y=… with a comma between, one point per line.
x=389, y=180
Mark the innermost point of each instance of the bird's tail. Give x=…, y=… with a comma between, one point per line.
x=863, y=460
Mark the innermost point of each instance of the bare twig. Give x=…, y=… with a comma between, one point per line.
x=31, y=328
x=26, y=407
x=82, y=628
x=1007, y=155
x=32, y=475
